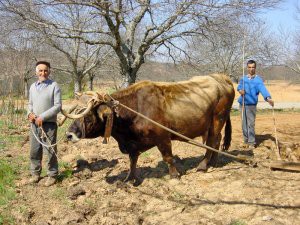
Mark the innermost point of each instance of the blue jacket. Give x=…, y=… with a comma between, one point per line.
x=252, y=88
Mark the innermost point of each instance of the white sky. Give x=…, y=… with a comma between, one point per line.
x=283, y=16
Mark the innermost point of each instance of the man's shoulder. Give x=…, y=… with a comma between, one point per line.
x=259, y=78
x=52, y=82
x=33, y=85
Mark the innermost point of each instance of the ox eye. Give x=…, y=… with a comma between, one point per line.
x=69, y=136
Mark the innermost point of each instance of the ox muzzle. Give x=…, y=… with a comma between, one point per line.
x=72, y=137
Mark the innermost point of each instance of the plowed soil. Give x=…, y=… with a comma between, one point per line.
x=231, y=193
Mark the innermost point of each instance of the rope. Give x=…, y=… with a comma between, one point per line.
x=43, y=144
x=243, y=67
x=191, y=141
x=49, y=147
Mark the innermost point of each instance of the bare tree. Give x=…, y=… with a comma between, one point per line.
x=292, y=45
x=225, y=49
x=17, y=56
x=79, y=57
x=135, y=29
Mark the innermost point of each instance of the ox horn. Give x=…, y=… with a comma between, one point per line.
x=77, y=116
x=98, y=96
x=61, y=121
x=94, y=93
x=78, y=94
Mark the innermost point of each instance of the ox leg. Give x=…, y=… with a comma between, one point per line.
x=213, y=140
x=214, y=158
x=132, y=173
x=166, y=151
x=203, y=166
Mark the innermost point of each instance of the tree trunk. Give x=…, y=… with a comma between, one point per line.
x=26, y=88
x=128, y=78
x=90, y=84
x=77, y=85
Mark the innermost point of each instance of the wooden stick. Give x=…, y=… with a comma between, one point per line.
x=277, y=151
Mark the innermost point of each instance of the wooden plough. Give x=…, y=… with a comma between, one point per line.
x=283, y=165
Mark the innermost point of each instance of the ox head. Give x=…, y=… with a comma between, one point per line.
x=93, y=120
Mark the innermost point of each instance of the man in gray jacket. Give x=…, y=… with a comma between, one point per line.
x=43, y=107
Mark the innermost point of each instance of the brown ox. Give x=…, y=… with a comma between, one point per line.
x=198, y=107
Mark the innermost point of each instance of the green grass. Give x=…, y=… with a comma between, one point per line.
x=59, y=193
x=6, y=219
x=145, y=154
x=67, y=96
x=237, y=222
x=66, y=171
x=7, y=177
x=9, y=170
x=68, y=92
x=10, y=140
x=111, y=90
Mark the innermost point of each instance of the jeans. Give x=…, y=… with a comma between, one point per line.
x=248, y=123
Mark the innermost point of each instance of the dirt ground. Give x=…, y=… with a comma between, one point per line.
x=231, y=193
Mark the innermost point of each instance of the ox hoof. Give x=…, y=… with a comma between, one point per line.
x=175, y=176
x=129, y=177
x=133, y=179
x=202, y=167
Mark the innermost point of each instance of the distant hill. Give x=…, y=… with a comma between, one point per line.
x=279, y=73
x=170, y=72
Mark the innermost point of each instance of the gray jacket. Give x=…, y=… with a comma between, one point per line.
x=45, y=100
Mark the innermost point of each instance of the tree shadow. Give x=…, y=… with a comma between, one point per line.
x=205, y=201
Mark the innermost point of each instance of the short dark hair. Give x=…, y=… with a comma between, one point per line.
x=43, y=62
x=251, y=62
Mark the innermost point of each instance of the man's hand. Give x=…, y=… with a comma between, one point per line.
x=32, y=117
x=242, y=92
x=271, y=102
x=39, y=121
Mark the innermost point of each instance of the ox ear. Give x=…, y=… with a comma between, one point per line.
x=104, y=111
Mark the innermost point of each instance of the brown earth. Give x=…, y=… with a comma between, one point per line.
x=231, y=193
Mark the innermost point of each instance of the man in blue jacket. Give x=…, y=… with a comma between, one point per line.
x=249, y=87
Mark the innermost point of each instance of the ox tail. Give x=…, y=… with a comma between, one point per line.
x=227, y=136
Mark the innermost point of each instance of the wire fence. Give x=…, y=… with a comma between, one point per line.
x=13, y=111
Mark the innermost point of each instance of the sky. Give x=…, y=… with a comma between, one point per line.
x=282, y=16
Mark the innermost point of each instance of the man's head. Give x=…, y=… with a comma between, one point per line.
x=42, y=70
x=251, y=66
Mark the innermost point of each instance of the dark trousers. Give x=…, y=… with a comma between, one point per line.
x=37, y=149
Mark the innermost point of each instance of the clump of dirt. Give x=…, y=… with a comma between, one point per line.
x=231, y=193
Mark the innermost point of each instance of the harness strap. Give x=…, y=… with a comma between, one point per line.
x=108, y=128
